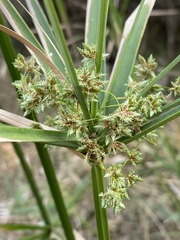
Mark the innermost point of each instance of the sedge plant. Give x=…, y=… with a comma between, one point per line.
x=97, y=114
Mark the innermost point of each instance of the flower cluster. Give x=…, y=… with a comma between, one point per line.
x=118, y=186
x=89, y=80
x=39, y=90
x=175, y=87
x=146, y=69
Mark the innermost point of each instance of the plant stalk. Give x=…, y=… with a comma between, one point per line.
x=32, y=184
x=55, y=190
x=101, y=215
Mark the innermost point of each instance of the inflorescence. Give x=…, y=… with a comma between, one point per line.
x=39, y=89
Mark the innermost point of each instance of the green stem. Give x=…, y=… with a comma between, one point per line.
x=101, y=216
x=32, y=183
x=55, y=190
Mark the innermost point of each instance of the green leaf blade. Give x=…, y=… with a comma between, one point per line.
x=91, y=21
x=102, y=20
x=95, y=30
x=126, y=56
x=18, y=23
x=45, y=33
x=14, y=134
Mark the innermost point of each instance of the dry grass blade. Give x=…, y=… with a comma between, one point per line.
x=15, y=120
x=38, y=52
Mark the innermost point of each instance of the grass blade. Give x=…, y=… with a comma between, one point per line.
x=102, y=20
x=55, y=191
x=96, y=19
x=171, y=105
x=16, y=120
x=17, y=22
x=91, y=27
x=36, y=50
x=128, y=49
x=25, y=35
x=14, y=134
x=32, y=183
x=45, y=34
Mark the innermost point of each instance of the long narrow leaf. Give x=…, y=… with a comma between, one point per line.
x=36, y=50
x=17, y=22
x=102, y=20
x=127, y=52
x=32, y=183
x=55, y=191
x=14, y=134
x=91, y=28
x=45, y=34
x=15, y=120
x=171, y=105
x=18, y=121
x=34, y=237
x=95, y=28
x=19, y=25
x=96, y=19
